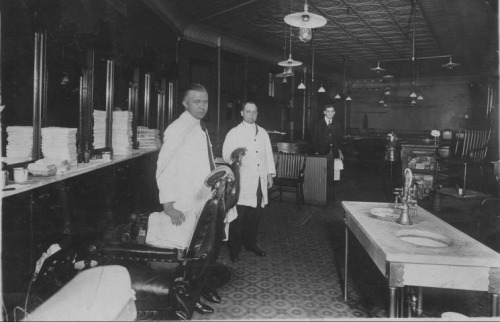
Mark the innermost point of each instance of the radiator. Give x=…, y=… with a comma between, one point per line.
x=315, y=180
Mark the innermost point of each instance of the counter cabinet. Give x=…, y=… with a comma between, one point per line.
x=80, y=207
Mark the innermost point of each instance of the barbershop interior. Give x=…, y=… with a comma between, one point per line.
x=402, y=222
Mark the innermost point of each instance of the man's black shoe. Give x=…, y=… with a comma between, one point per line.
x=210, y=295
x=202, y=308
x=257, y=251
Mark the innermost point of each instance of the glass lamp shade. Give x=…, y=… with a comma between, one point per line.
x=420, y=97
x=301, y=86
x=348, y=98
x=413, y=95
x=321, y=89
x=337, y=97
x=287, y=72
x=381, y=102
x=290, y=62
x=378, y=69
x=305, y=34
x=413, y=103
x=305, y=19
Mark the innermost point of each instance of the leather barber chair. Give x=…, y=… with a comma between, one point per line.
x=168, y=282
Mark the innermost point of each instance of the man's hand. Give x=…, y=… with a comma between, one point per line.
x=341, y=156
x=269, y=181
x=175, y=215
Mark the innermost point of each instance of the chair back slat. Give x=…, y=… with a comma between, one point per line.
x=472, y=144
x=289, y=165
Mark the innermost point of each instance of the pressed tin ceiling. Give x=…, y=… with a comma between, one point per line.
x=366, y=31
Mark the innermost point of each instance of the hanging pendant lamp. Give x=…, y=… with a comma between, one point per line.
x=305, y=21
x=450, y=64
x=287, y=72
x=378, y=69
x=290, y=62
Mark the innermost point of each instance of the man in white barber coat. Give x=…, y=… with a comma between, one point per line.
x=256, y=176
x=185, y=160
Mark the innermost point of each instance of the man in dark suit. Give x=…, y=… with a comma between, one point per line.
x=327, y=134
x=327, y=140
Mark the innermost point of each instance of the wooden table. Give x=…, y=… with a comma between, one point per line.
x=465, y=264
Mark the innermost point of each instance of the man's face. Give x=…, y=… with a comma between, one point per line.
x=196, y=103
x=329, y=113
x=249, y=113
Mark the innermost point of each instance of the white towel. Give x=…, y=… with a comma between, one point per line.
x=162, y=233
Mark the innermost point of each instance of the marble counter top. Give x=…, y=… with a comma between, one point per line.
x=36, y=182
x=380, y=238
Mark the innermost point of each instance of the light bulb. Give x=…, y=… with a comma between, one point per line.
x=305, y=34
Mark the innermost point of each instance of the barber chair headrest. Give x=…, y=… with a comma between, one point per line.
x=219, y=174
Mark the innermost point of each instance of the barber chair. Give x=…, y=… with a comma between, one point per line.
x=97, y=294
x=168, y=282
x=55, y=272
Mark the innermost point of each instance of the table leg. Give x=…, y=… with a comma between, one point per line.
x=420, y=299
x=494, y=304
x=401, y=302
x=346, y=256
x=409, y=301
x=392, y=301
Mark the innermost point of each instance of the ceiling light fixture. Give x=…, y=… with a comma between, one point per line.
x=305, y=21
x=290, y=62
x=321, y=89
x=378, y=69
x=301, y=85
x=414, y=59
x=287, y=72
x=450, y=64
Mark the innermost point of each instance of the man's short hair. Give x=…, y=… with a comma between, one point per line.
x=194, y=87
x=245, y=103
x=329, y=105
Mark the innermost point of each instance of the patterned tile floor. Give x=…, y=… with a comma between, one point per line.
x=301, y=276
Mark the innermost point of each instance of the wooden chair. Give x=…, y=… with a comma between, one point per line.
x=469, y=149
x=290, y=169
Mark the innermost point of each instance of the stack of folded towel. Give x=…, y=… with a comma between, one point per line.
x=59, y=143
x=19, y=142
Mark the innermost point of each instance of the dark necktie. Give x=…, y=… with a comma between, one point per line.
x=210, y=156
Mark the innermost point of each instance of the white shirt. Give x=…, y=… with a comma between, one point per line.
x=257, y=163
x=328, y=121
x=183, y=165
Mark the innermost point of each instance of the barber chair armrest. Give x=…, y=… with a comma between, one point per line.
x=139, y=252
